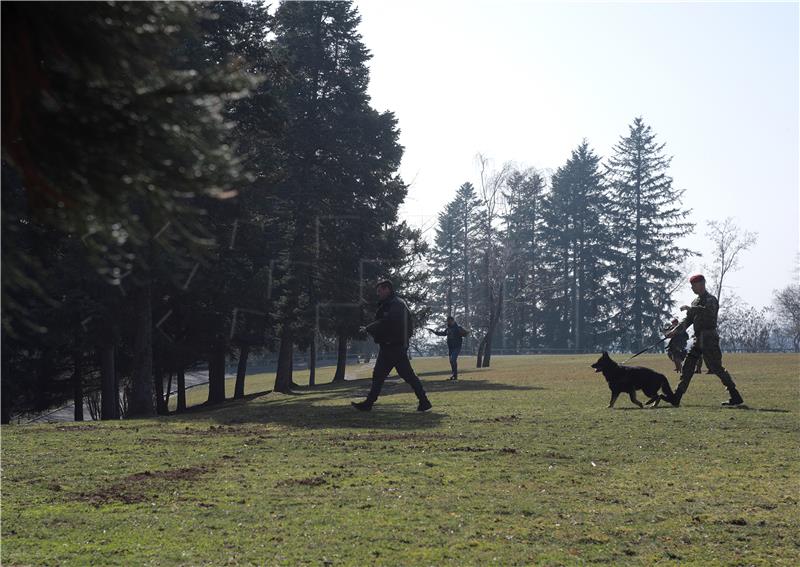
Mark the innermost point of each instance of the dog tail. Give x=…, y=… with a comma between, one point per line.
x=666, y=388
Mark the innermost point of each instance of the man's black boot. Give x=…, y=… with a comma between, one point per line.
x=424, y=405
x=675, y=399
x=735, y=399
x=366, y=405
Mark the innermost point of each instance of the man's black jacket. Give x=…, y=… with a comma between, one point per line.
x=455, y=335
x=393, y=324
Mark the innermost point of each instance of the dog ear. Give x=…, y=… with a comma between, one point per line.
x=605, y=354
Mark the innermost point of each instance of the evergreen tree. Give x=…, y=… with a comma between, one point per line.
x=525, y=274
x=578, y=239
x=339, y=163
x=444, y=258
x=114, y=134
x=467, y=209
x=648, y=220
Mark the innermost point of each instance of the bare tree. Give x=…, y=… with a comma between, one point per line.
x=729, y=242
x=787, y=309
x=495, y=254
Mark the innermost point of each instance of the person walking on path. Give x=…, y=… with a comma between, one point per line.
x=391, y=330
x=703, y=315
x=455, y=334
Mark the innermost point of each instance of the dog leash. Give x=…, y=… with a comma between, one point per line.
x=645, y=350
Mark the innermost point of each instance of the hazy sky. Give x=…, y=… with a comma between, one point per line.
x=527, y=81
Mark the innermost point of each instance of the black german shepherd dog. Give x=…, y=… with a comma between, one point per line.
x=628, y=379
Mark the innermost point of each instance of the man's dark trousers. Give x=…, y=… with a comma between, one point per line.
x=454, y=352
x=393, y=356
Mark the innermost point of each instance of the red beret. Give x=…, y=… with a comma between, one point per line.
x=697, y=278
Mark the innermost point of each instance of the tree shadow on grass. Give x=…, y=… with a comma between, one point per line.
x=303, y=412
x=312, y=409
x=461, y=372
x=395, y=385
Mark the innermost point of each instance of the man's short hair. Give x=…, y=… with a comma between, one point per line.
x=697, y=278
x=385, y=283
x=451, y=318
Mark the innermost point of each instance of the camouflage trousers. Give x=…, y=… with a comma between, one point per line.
x=706, y=347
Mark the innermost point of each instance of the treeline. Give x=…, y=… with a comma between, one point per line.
x=582, y=259
x=184, y=183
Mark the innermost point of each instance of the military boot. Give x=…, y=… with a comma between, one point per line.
x=675, y=399
x=735, y=399
x=424, y=405
x=366, y=405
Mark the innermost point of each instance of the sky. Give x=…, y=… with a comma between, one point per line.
x=527, y=81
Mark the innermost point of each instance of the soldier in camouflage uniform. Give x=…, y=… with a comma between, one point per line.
x=703, y=315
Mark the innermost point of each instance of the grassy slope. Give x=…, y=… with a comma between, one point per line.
x=519, y=464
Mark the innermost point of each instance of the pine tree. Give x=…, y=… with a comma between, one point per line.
x=444, y=258
x=114, y=134
x=523, y=224
x=578, y=240
x=648, y=220
x=339, y=162
x=467, y=209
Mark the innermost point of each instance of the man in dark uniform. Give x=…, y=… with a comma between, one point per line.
x=703, y=315
x=676, y=348
x=455, y=334
x=391, y=329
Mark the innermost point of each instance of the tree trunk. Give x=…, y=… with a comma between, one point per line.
x=341, y=359
x=158, y=382
x=167, y=392
x=216, y=376
x=241, y=371
x=77, y=387
x=283, y=375
x=5, y=412
x=181, y=407
x=109, y=398
x=312, y=361
x=485, y=353
x=481, y=347
x=141, y=403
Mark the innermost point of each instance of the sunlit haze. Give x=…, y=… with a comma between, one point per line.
x=526, y=82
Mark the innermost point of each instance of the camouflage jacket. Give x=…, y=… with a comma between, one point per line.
x=702, y=314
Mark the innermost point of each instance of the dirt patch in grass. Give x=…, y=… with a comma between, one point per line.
x=219, y=430
x=393, y=437
x=468, y=449
x=139, y=487
x=497, y=419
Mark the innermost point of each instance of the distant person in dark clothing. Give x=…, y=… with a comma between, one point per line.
x=391, y=329
x=676, y=348
x=455, y=334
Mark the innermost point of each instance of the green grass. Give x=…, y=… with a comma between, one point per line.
x=518, y=464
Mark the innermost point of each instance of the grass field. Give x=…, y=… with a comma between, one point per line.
x=518, y=464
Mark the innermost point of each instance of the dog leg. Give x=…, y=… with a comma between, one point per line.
x=634, y=400
x=614, y=396
x=653, y=402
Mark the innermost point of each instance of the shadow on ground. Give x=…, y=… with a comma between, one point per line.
x=302, y=408
x=303, y=413
x=395, y=385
